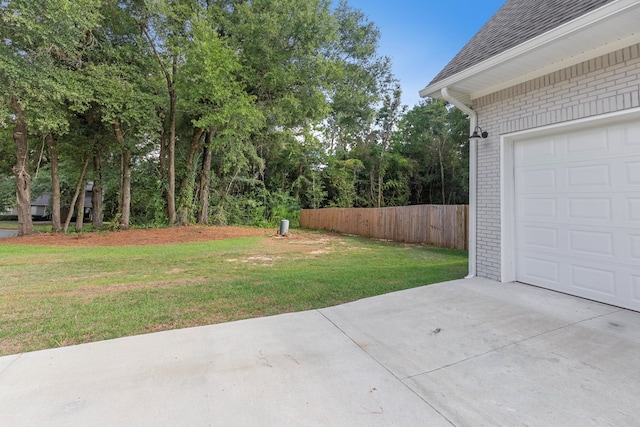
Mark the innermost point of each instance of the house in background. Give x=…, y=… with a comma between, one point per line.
x=41, y=206
x=555, y=185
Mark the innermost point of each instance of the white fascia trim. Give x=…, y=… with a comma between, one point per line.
x=473, y=168
x=559, y=65
x=508, y=238
x=613, y=8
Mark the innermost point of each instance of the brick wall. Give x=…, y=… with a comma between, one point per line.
x=602, y=85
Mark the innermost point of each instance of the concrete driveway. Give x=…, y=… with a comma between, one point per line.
x=7, y=233
x=463, y=353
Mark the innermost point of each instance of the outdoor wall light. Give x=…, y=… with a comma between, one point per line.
x=476, y=136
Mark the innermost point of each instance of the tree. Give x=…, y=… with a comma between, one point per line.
x=365, y=108
x=41, y=48
x=374, y=149
x=219, y=107
x=121, y=74
x=166, y=27
x=56, y=224
x=79, y=193
x=281, y=44
x=434, y=136
x=188, y=110
x=357, y=76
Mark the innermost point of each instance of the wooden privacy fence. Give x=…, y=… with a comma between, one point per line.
x=444, y=226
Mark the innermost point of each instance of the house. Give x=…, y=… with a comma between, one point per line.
x=40, y=208
x=555, y=185
x=41, y=205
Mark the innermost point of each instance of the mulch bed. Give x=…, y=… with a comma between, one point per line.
x=138, y=237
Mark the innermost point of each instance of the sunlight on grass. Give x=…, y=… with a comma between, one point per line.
x=52, y=297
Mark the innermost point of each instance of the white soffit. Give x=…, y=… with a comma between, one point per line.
x=609, y=28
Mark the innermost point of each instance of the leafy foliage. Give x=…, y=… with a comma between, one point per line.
x=434, y=137
x=7, y=193
x=254, y=108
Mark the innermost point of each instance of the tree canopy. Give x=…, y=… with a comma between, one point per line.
x=241, y=111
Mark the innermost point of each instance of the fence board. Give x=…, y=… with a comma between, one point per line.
x=444, y=226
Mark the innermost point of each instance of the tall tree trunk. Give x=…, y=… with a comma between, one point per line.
x=81, y=201
x=379, y=188
x=125, y=179
x=380, y=180
x=21, y=171
x=79, y=186
x=163, y=160
x=205, y=180
x=56, y=219
x=120, y=185
x=188, y=181
x=171, y=149
x=125, y=218
x=171, y=145
x=440, y=149
x=163, y=147
x=372, y=186
x=97, y=212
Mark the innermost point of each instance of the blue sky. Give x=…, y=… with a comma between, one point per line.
x=422, y=36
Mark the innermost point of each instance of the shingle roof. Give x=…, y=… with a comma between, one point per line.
x=516, y=22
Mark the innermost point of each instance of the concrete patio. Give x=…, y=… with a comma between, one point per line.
x=462, y=353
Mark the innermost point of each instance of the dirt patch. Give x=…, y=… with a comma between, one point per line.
x=260, y=258
x=296, y=244
x=304, y=243
x=138, y=237
x=319, y=252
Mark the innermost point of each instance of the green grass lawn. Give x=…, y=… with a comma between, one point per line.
x=52, y=296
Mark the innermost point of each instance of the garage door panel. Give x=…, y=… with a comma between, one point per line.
x=588, y=279
x=587, y=142
x=616, y=176
x=591, y=208
x=596, y=281
x=538, y=208
x=616, y=286
x=633, y=211
x=635, y=288
x=591, y=242
x=541, y=180
x=600, y=283
x=598, y=175
x=634, y=248
x=630, y=135
x=537, y=151
x=539, y=270
x=603, y=175
x=577, y=209
x=633, y=173
x=605, y=208
x=540, y=236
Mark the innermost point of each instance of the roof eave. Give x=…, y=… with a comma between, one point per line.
x=566, y=43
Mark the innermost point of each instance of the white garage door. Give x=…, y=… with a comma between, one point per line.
x=577, y=209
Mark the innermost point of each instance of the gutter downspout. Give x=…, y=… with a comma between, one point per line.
x=473, y=170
